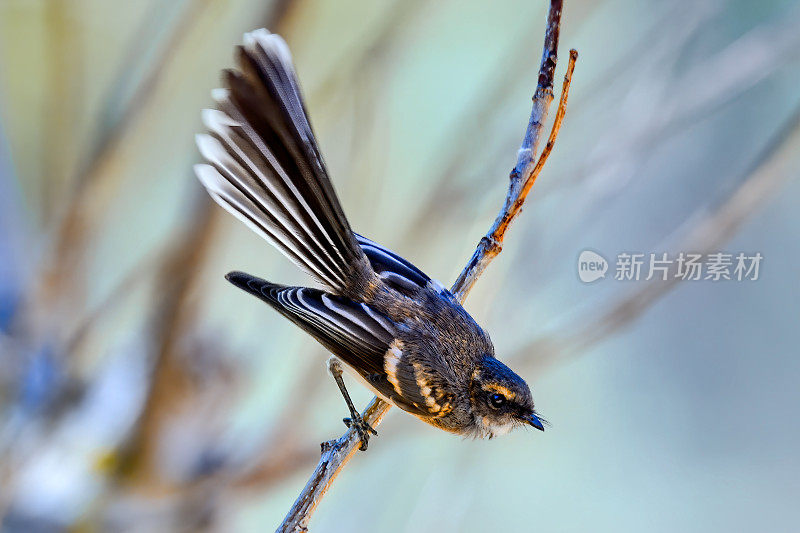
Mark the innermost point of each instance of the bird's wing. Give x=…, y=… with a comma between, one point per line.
x=354, y=332
x=391, y=267
x=400, y=273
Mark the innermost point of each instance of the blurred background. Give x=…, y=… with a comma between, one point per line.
x=141, y=392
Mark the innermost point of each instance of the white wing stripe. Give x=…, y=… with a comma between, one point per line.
x=235, y=203
x=212, y=149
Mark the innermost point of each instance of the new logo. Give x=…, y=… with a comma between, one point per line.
x=591, y=266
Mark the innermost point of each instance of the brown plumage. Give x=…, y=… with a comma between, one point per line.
x=404, y=335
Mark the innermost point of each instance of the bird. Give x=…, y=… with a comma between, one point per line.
x=399, y=332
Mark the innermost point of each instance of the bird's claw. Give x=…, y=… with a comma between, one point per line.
x=362, y=428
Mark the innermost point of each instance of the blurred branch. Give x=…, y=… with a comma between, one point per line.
x=66, y=75
x=55, y=292
x=114, y=122
x=714, y=82
x=357, y=63
x=176, y=280
x=336, y=454
x=137, y=275
x=768, y=172
x=173, y=313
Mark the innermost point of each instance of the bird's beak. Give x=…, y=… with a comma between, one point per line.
x=533, y=420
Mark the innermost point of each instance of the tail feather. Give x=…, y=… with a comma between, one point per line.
x=264, y=166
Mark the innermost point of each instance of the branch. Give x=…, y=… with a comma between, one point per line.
x=522, y=178
x=336, y=454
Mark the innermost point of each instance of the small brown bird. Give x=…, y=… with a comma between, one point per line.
x=403, y=334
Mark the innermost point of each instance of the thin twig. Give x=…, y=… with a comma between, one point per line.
x=336, y=454
x=522, y=178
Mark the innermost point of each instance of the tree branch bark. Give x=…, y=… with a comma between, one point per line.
x=336, y=453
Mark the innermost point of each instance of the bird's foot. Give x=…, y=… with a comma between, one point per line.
x=362, y=428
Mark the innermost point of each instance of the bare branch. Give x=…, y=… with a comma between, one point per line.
x=336, y=454
x=522, y=178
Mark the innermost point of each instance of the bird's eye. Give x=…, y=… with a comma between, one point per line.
x=497, y=401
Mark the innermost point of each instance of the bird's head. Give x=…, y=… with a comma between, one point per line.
x=501, y=400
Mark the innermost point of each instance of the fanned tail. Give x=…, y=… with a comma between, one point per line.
x=264, y=166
